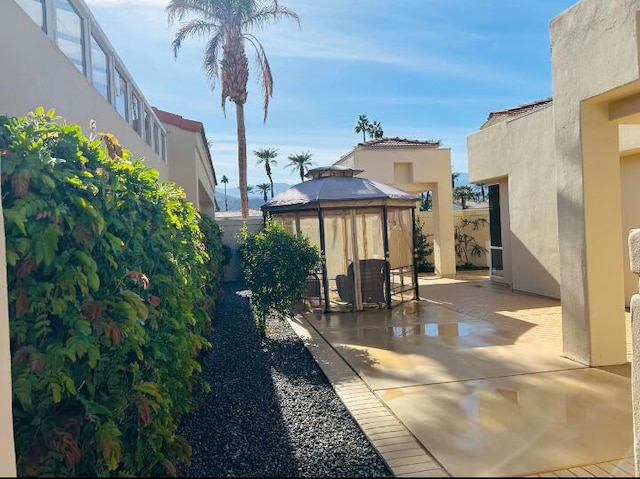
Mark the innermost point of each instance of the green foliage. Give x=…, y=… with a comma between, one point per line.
x=275, y=265
x=111, y=284
x=466, y=245
x=423, y=247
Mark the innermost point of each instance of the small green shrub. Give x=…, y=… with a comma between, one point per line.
x=423, y=247
x=111, y=284
x=275, y=266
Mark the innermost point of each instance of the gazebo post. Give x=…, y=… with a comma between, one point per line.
x=416, y=294
x=323, y=259
x=385, y=243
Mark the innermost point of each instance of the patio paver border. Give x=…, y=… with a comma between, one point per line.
x=400, y=450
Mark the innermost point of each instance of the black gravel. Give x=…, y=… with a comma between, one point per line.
x=271, y=411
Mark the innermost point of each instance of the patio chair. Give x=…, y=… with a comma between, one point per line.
x=372, y=282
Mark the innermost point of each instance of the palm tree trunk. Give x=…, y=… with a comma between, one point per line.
x=242, y=159
x=226, y=206
x=301, y=173
x=271, y=181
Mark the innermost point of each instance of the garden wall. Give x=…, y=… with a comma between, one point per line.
x=230, y=226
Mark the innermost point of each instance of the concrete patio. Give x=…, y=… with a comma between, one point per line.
x=470, y=381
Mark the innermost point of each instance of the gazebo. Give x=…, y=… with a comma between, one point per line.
x=365, y=232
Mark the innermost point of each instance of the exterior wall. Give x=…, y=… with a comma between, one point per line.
x=630, y=178
x=230, y=227
x=416, y=169
x=594, y=57
x=520, y=155
x=36, y=73
x=481, y=236
x=188, y=167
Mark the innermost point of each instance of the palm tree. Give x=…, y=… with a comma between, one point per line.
x=454, y=177
x=267, y=156
x=464, y=193
x=481, y=190
x=264, y=187
x=224, y=180
x=362, y=126
x=227, y=24
x=301, y=163
x=375, y=130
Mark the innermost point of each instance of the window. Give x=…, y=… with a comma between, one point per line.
x=163, y=147
x=35, y=9
x=495, y=231
x=135, y=113
x=156, y=138
x=147, y=127
x=70, y=34
x=99, y=70
x=122, y=92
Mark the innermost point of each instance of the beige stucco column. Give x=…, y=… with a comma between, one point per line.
x=7, y=448
x=444, y=257
x=594, y=55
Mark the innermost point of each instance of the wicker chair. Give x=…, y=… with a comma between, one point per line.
x=372, y=282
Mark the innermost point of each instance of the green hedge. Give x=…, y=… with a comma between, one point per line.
x=111, y=287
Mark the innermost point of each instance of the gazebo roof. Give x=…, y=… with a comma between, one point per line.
x=337, y=184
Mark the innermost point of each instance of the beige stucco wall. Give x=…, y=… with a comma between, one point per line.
x=520, y=156
x=630, y=178
x=230, y=227
x=594, y=53
x=36, y=73
x=188, y=166
x=481, y=235
x=416, y=169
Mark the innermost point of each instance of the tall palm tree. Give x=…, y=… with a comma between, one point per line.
x=454, y=177
x=264, y=187
x=226, y=24
x=375, y=130
x=224, y=180
x=464, y=193
x=362, y=126
x=300, y=163
x=267, y=156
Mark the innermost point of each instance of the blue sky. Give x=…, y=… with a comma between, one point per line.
x=425, y=69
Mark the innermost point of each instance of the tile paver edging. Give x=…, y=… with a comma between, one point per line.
x=400, y=450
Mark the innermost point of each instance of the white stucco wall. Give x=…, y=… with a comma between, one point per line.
x=630, y=178
x=230, y=227
x=36, y=73
x=519, y=154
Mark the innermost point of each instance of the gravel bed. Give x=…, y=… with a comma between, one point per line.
x=271, y=411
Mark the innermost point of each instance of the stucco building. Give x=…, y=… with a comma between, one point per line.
x=55, y=55
x=414, y=166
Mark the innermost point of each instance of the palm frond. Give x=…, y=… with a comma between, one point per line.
x=210, y=63
x=194, y=28
x=266, y=79
x=180, y=9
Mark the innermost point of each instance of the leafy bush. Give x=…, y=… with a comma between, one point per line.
x=275, y=265
x=111, y=284
x=424, y=248
x=466, y=245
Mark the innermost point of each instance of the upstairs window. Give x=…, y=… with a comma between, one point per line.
x=156, y=138
x=35, y=9
x=163, y=147
x=122, y=93
x=99, y=69
x=70, y=34
x=147, y=127
x=135, y=113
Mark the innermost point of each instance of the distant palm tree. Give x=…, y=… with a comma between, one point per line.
x=267, y=156
x=224, y=180
x=264, y=187
x=300, y=163
x=375, y=130
x=226, y=24
x=362, y=126
x=481, y=190
x=454, y=177
x=464, y=193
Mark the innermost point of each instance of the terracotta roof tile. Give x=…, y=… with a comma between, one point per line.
x=393, y=142
x=516, y=111
x=179, y=121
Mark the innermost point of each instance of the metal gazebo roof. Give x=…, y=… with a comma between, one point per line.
x=336, y=184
